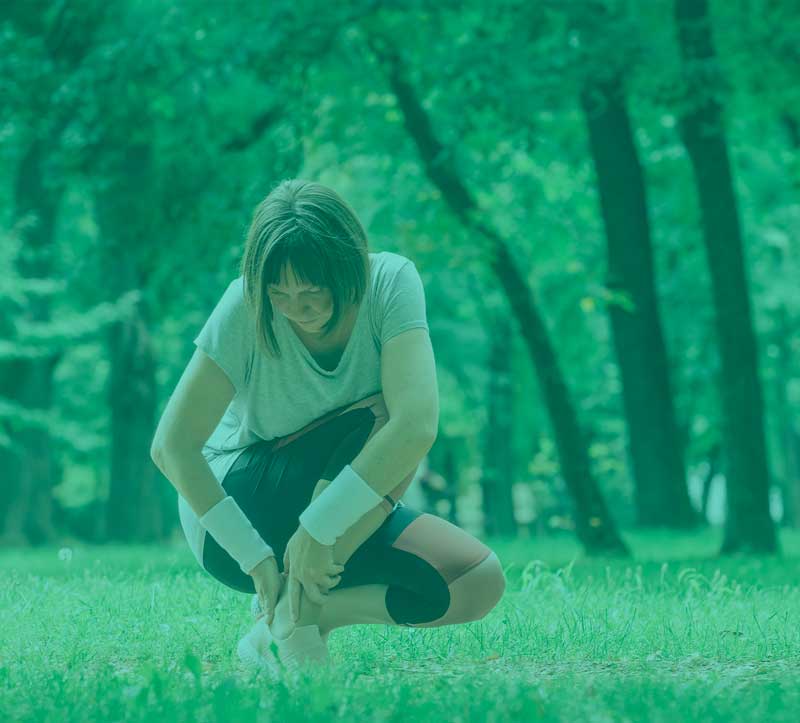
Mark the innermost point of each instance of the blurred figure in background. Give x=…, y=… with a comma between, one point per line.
x=431, y=492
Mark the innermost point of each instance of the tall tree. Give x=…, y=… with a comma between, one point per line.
x=498, y=468
x=594, y=526
x=127, y=216
x=788, y=436
x=65, y=34
x=34, y=469
x=655, y=454
x=748, y=525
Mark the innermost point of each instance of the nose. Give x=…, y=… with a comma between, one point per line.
x=301, y=311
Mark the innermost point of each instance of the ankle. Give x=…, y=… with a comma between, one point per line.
x=283, y=624
x=309, y=612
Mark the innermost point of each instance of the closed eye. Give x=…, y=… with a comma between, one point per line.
x=281, y=293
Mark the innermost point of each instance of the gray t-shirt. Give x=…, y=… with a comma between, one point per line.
x=278, y=396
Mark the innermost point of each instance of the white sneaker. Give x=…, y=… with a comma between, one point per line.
x=304, y=645
x=257, y=649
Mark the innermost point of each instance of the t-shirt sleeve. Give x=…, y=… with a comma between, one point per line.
x=228, y=335
x=404, y=305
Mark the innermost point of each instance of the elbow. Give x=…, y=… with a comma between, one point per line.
x=427, y=441
x=415, y=435
x=157, y=455
x=160, y=454
x=432, y=431
x=163, y=454
x=157, y=445
x=422, y=436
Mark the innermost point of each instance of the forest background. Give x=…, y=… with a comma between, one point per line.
x=602, y=199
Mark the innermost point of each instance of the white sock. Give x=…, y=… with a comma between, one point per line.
x=258, y=614
x=303, y=644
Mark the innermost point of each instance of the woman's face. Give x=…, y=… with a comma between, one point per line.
x=307, y=305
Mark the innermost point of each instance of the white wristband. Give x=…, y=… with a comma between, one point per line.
x=345, y=500
x=235, y=534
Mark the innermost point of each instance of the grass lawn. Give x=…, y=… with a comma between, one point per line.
x=676, y=634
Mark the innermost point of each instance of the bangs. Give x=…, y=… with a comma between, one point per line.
x=307, y=268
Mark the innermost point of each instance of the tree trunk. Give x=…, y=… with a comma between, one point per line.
x=654, y=452
x=713, y=466
x=793, y=444
x=790, y=467
x=792, y=129
x=29, y=470
x=594, y=526
x=134, y=511
x=451, y=475
x=498, y=468
x=748, y=525
x=15, y=496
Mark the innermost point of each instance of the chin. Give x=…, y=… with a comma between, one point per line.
x=317, y=323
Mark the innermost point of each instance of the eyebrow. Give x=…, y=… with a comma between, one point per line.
x=309, y=286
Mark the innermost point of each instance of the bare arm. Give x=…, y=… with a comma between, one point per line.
x=200, y=399
x=392, y=453
x=410, y=390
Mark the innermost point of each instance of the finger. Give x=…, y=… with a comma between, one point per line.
x=273, y=600
x=327, y=581
x=315, y=595
x=294, y=597
x=263, y=597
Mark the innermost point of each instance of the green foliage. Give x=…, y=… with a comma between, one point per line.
x=162, y=128
x=25, y=338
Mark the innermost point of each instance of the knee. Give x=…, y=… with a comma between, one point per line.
x=488, y=583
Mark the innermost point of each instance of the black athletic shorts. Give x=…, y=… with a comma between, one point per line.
x=416, y=554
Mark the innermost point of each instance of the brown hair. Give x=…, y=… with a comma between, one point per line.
x=318, y=233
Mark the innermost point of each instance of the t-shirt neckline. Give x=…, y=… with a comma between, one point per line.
x=298, y=342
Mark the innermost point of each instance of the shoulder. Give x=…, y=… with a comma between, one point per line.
x=232, y=305
x=236, y=287
x=235, y=294
x=386, y=267
x=388, y=261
